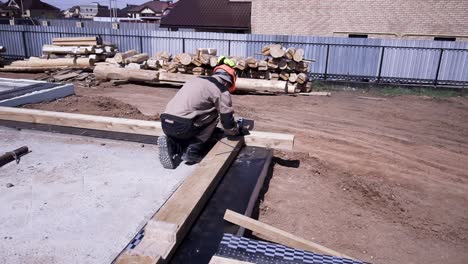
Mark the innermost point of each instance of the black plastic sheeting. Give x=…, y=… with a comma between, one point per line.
x=262, y=252
x=235, y=193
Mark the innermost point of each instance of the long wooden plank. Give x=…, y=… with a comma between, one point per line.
x=277, y=235
x=75, y=39
x=113, y=124
x=131, y=126
x=173, y=220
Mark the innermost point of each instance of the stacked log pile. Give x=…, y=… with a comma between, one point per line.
x=66, y=53
x=285, y=70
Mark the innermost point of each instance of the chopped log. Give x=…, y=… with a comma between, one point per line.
x=137, y=58
x=284, y=75
x=2, y=49
x=298, y=55
x=291, y=65
x=185, y=58
x=241, y=65
x=273, y=63
x=172, y=67
x=67, y=50
x=103, y=72
x=302, y=66
x=198, y=71
x=153, y=63
x=283, y=64
x=196, y=61
x=72, y=62
x=120, y=57
x=277, y=51
x=274, y=76
x=301, y=78
x=292, y=77
x=266, y=50
x=262, y=65
x=163, y=55
x=251, y=62
x=290, y=53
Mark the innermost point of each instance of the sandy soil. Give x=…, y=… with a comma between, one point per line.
x=382, y=181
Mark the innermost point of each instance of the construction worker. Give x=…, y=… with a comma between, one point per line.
x=192, y=115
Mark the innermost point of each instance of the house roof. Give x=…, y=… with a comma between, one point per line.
x=105, y=12
x=156, y=6
x=214, y=14
x=34, y=4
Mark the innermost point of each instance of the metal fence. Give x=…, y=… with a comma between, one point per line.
x=337, y=58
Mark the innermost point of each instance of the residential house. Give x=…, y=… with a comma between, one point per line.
x=209, y=15
x=92, y=10
x=73, y=12
x=29, y=8
x=152, y=10
x=415, y=19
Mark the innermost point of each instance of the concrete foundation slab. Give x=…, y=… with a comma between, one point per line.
x=77, y=199
x=15, y=92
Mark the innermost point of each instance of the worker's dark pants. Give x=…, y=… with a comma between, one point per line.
x=189, y=131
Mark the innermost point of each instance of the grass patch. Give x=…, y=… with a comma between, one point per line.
x=430, y=92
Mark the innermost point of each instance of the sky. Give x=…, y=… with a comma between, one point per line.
x=64, y=4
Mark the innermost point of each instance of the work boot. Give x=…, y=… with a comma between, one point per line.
x=168, y=152
x=194, y=152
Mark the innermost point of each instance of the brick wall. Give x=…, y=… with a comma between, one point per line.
x=384, y=18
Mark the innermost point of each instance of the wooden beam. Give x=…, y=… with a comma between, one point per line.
x=316, y=94
x=171, y=223
x=130, y=126
x=277, y=235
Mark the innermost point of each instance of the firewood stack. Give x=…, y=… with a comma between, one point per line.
x=66, y=53
x=286, y=64
x=281, y=65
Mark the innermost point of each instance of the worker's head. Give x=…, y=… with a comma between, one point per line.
x=225, y=71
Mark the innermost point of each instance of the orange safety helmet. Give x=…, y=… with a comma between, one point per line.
x=231, y=72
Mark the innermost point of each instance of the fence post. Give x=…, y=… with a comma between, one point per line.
x=380, y=64
x=25, y=46
x=229, y=47
x=326, y=62
x=183, y=45
x=141, y=44
x=436, y=79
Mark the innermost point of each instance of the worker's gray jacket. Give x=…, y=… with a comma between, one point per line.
x=203, y=96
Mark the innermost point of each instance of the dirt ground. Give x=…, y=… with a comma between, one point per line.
x=382, y=181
